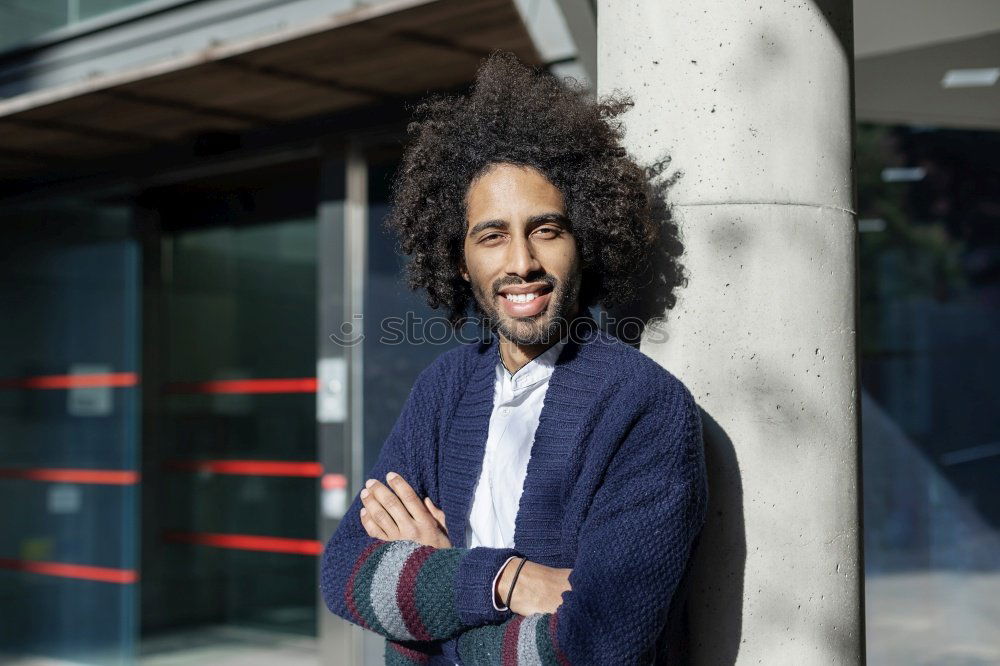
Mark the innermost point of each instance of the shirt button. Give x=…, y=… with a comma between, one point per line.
x=505, y=410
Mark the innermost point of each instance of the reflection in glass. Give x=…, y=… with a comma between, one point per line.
x=402, y=334
x=69, y=414
x=23, y=20
x=929, y=222
x=230, y=521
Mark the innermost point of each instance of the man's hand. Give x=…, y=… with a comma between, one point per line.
x=394, y=513
x=539, y=588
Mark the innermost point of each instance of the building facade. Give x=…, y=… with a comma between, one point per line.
x=196, y=284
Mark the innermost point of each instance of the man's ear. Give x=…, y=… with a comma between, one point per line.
x=463, y=271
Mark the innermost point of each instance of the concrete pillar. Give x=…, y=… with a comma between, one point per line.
x=753, y=102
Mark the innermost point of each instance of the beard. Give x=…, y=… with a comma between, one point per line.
x=544, y=328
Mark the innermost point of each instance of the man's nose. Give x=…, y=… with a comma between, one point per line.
x=521, y=259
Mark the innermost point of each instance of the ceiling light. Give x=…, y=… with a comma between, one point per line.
x=970, y=78
x=903, y=174
x=871, y=225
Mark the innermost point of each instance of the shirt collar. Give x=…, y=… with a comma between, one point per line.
x=537, y=369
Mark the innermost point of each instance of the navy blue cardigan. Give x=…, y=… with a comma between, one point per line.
x=615, y=489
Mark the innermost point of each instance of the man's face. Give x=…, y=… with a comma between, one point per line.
x=520, y=254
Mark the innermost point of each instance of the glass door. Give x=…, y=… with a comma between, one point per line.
x=69, y=422
x=230, y=539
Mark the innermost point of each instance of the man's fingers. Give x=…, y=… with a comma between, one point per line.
x=371, y=527
x=379, y=515
x=408, y=497
x=396, y=512
x=400, y=514
x=437, y=513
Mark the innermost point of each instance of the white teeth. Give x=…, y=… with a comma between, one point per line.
x=521, y=298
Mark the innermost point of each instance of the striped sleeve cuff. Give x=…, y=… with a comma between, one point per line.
x=518, y=642
x=409, y=592
x=398, y=654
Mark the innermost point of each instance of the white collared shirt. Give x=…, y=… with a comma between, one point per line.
x=517, y=406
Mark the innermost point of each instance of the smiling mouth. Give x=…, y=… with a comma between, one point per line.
x=523, y=298
x=518, y=294
x=521, y=304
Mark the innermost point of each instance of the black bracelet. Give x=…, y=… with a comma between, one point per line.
x=513, y=582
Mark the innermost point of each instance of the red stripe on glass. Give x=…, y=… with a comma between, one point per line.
x=111, y=477
x=79, y=571
x=293, y=385
x=250, y=467
x=248, y=542
x=334, y=481
x=99, y=380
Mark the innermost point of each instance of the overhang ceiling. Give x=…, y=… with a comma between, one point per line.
x=903, y=49
x=891, y=26
x=363, y=57
x=905, y=87
x=402, y=48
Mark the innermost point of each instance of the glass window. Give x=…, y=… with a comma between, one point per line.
x=24, y=20
x=230, y=499
x=69, y=421
x=402, y=334
x=85, y=9
x=214, y=516
x=929, y=223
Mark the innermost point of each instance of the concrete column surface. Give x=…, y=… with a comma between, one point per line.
x=753, y=103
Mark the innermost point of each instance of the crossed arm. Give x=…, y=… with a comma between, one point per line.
x=632, y=549
x=404, y=584
x=394, y=512
x=414, y=594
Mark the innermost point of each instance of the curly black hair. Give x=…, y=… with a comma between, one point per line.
x=524, y=116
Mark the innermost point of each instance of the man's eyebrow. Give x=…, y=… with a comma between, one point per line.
x=549, y=217
x=532, y=221
x=487, y=224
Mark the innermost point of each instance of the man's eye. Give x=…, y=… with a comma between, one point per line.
x=550, y=232
x=489, y=237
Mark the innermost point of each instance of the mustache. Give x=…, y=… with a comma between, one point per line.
x=550, y=280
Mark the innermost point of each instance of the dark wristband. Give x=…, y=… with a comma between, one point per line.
x=513, y=582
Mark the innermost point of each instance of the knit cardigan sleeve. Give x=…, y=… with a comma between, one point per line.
x=401, y=589
x=633, y=549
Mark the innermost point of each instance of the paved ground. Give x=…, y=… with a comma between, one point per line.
x=941, y=618
x=221, y=646
x=229, y=646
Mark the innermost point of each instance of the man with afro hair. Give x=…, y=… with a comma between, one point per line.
x=539, y=496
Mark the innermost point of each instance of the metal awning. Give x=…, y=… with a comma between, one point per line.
x=366, y=56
